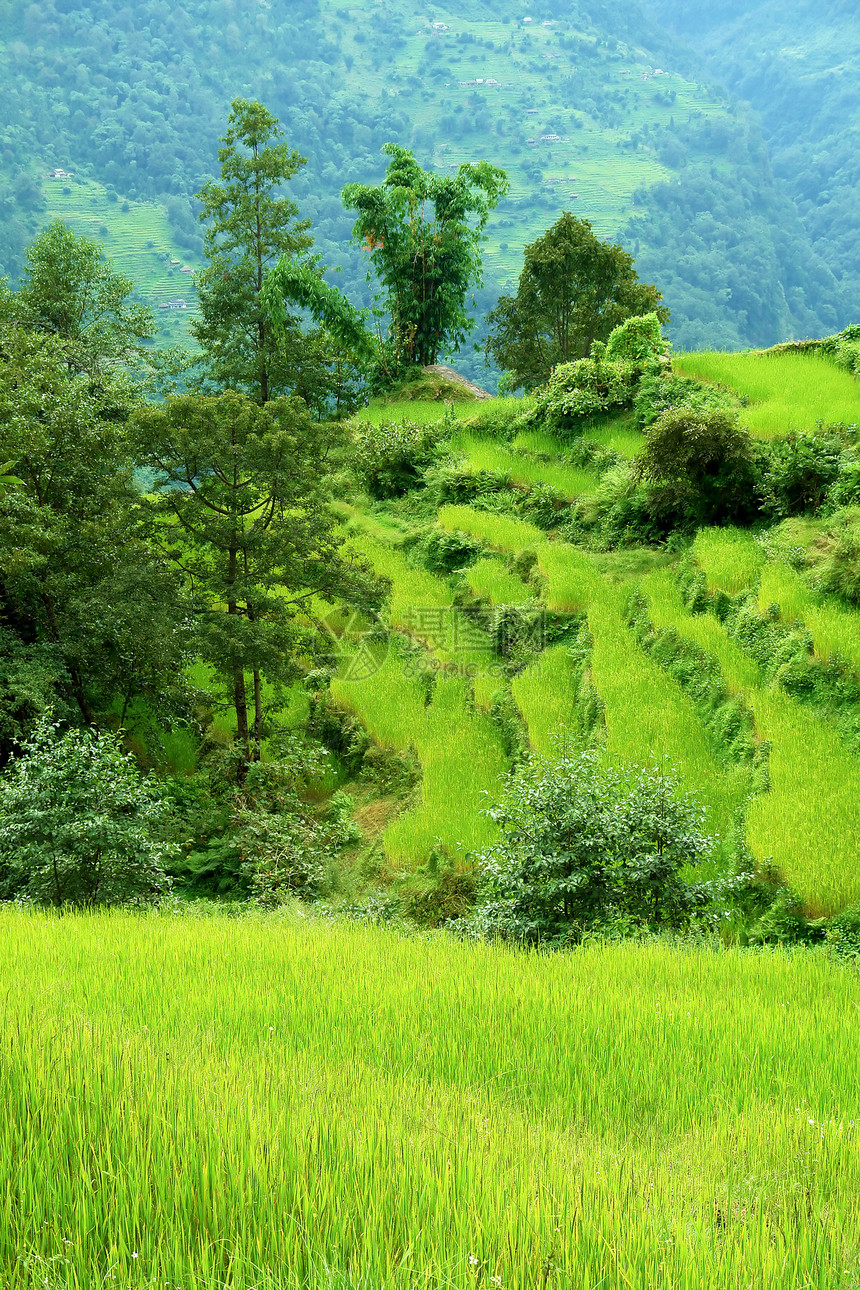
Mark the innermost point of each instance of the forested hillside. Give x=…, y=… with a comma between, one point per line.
x=592, y=108
x=796, y=65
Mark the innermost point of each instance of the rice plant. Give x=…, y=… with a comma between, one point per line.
x=492, y=580
x=499, y=531
x=808, y=825
x=486, y=454
x=730, y=558
x=666, y=609
x=281, y=1103
x=647, y=714
x=835, y=632
x=546, y=694
x=782, y=590
x=572, y=576
x=787, y=392
x=462, y=761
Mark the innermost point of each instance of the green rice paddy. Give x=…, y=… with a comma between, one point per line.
x=785, y=392
x=276, y=1103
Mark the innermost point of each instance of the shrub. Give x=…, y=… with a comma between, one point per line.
x=584, y=842
x=389, y=457
x=636, y=340
x=702, y=465
x=582, y=389
x=79, y=823
x=839, y=573
x=659, y=391
x=798, y=473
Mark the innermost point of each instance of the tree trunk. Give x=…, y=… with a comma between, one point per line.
x=258, y=715
x=240, y=702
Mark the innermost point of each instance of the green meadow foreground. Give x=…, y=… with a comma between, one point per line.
x=280, y=1102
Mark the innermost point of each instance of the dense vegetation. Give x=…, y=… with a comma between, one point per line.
x=579, y=671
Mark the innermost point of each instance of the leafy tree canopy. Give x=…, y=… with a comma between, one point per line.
x=239, y=487
x=70, y=290
x=89, y=614
x=423, y=233
x=78, y=823
x=574, y=289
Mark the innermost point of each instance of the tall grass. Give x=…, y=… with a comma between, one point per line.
x=809, y=823
x=835, y=631
x=460, y=751
x=666, y=609
x=389, y=699
x=500, y=531
x=269, y=1104
x=572, y=577
x=787, y=391
x=730, y=558
x=492, y=580
x=462, y=760
x=647, y=714
x=546, y=694
x=485, y=454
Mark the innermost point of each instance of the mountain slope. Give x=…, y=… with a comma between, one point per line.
x=590, y=108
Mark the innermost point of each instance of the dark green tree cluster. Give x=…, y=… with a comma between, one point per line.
x=574, y=289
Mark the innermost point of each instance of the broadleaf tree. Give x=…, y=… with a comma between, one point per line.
x=90, y=615
x=70, y=290
x=423, y=233
x=79, y=825
x=574, y=289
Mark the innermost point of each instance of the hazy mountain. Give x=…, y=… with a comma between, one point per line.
x=599, y=108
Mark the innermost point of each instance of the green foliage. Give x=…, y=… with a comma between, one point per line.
x=69, y=290
x=658, y=392
x=701, y=465
x=636, y=340
x=92, y=615
x=250, y=227
x=390, y=456
x=573, y=290
x=426, y=264
x=842, y=935
x=239, y=494
x=442, y=552
x=839, y=572
x=585, y=842
x=798, y=473
x=582, y=389
x=78, y=823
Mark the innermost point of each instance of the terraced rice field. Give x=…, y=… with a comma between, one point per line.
x=786, y=392
x=807, y=824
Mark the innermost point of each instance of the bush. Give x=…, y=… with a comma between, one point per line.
x=702, y=465
x=582, y=389
x=658, y=392
x=839, y=573
x=585, y=842
x=798, y=473
x=79, y=823
x=389, y=457
x=636, y=340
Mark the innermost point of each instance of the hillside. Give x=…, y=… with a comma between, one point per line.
x=799, y=74
x=605, y=114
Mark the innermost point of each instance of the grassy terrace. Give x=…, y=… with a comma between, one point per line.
x=786, y=391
